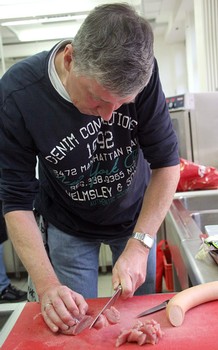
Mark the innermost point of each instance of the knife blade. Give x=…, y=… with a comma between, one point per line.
x=110, y=302
x=154, y=309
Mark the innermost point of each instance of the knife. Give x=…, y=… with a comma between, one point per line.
x=110, y=302
x=154, y=309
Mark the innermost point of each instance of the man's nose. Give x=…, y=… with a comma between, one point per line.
x=106, y=111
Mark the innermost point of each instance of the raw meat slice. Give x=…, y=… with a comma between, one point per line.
x=148, y=332
x=101, y=322
x=142, y=339
x=84, y=323
x=134, y=336
x=112, y=315
x=122, y=339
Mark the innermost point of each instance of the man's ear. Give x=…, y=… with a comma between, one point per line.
x=68, y=56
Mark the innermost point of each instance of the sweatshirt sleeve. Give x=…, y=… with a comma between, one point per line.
x=18, y=184
x=156, y=135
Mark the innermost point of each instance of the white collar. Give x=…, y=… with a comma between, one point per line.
x=53, y=76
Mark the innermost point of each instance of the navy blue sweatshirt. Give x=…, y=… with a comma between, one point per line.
x=92, y=173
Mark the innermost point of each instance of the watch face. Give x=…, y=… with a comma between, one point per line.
x=148, y=241
x=144, y=238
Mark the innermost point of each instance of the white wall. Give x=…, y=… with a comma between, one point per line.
x=15, y=52
x=172, y=66
x=183, y=66
x=171, y=60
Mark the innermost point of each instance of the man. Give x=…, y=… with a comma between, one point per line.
x=94, y=113
x=8, y=292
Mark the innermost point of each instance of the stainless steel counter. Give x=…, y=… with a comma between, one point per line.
x=9, y=314
x=190, y=212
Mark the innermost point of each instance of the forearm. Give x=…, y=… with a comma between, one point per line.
x=27, y=241
x=157, y=199
x=129, y=269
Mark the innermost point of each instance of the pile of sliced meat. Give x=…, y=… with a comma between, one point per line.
x=110, y=316
x=148, y=332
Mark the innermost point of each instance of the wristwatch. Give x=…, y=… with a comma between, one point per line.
x=144, y=238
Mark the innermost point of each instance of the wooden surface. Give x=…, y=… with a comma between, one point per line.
x=199, y=330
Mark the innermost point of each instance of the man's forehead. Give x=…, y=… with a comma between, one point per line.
x=102, y=94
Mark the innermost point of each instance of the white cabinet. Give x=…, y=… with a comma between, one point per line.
x=105, y=257
x=12, y=262
x=14, y=265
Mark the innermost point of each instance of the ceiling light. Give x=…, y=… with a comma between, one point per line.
x=52, y=32
x=45, y=20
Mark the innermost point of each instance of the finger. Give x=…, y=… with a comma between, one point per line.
x=69, y=331
x=57, y=317
x=64, y=314
x=45, y=310
x=128, y=289
x=122, y=278
x=81, y=303
x=115, y=281
x=74, y=302
x=128, y=285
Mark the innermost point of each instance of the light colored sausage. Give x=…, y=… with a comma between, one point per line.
x=189, y=298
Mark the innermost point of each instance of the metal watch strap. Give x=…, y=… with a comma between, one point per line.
x=144, y=238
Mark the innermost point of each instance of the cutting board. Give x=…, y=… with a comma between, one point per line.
x=199, y=330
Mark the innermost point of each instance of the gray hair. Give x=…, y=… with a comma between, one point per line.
x=114, y=46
